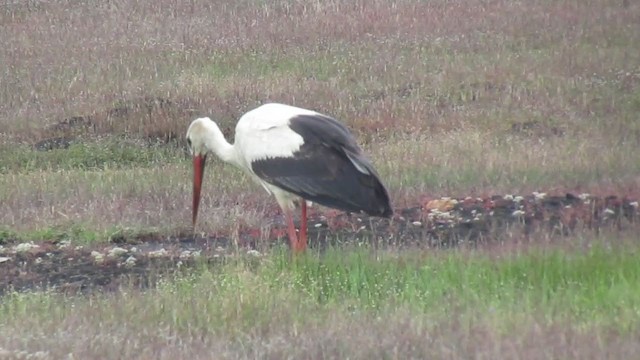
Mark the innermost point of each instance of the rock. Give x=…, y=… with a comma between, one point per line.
x=189, y=254
x=64, y=244
x=518, y=213
x=97, y=257
x=539, y=195
x=24, y=247
x=254, y=253
x=442, y=205
x=130, y=262
x=158, y=253
x=117, y=251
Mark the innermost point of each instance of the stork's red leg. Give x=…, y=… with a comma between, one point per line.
x=302, y=240
x=293, y=237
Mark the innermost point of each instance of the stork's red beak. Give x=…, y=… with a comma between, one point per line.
x=198, y=171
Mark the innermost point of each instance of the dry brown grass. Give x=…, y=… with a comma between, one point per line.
x=451, y=98
x=399, y=335
x=409, y=65
x=448, y=97
x=158, y=197
x=110, y=199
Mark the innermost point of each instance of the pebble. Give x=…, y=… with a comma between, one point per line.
x=130, y=262
x=158, y=253
x=539, y=195
x=254, y=253
x=416, y=223
x=64, y=244
x=117, y=251
x=97, y=256
x=24, y=247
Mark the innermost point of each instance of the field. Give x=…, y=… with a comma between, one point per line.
x=507, y=133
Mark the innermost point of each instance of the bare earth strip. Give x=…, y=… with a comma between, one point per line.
x=440, y=223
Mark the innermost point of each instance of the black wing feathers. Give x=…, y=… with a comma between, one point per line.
x=329, y=169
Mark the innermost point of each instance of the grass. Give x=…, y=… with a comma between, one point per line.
x=445, y=98
x=467, y=98
x=111, y=153
x=106, y=184
x=489, y=303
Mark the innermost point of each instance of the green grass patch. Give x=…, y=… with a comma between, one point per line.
x=598, y=286
x=591, y=288
x=109, y=153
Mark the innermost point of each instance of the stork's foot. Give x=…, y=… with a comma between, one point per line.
x=298, y=244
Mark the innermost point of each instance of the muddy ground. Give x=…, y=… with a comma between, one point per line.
x=445, y=222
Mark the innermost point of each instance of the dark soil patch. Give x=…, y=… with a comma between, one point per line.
x=440, y=223
x=152, y=119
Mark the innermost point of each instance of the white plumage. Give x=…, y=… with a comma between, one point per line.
x=257, y=129
x=295, y=154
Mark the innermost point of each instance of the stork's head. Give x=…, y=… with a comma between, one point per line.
x=197, y=135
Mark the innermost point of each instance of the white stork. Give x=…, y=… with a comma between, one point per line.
x=297, y=155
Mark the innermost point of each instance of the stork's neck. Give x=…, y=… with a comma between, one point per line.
x=217, y=144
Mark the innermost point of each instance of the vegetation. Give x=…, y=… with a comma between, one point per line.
x=354, y=303
x=466, y=98
x=447, y=98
